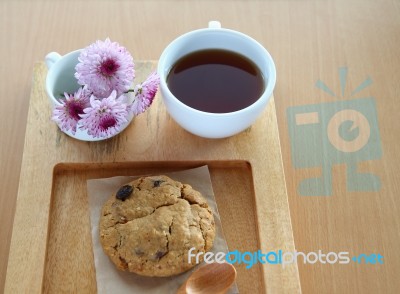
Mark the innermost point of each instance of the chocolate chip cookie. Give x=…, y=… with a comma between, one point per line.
x=148, y=226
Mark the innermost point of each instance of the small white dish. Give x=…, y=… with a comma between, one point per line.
x=60, y=78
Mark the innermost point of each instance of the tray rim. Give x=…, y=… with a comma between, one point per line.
x=215, y=163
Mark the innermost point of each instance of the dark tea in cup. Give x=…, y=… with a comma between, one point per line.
x=216, y=81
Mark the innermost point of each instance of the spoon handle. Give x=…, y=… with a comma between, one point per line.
x=182, y=289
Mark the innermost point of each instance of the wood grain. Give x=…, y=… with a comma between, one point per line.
x=55, y=254
x=308, y=39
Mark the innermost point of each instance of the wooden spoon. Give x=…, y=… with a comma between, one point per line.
x=214, y=278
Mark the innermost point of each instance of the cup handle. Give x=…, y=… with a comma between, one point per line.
x=52, y=58
x=214, y=24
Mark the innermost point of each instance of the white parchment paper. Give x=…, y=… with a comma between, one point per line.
x=109, y=278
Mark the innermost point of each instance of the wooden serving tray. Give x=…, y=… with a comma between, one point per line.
x=51, y=249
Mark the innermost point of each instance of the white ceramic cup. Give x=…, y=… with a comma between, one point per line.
x=60, y=78
x=206, y=124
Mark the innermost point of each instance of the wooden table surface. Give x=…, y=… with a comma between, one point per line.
x=339, y=44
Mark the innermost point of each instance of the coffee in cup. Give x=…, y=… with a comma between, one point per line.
x=216, y=81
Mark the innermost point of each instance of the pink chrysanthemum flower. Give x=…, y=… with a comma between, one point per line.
x=68, y=113
x=105, y=117
x=145, y=93
x=105, y=66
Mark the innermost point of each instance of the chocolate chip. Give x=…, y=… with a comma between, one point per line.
x=139, y=251
x=160, y=254
x=124, y=192
x=157, y=183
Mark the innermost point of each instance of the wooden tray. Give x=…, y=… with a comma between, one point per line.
x=51, y=248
